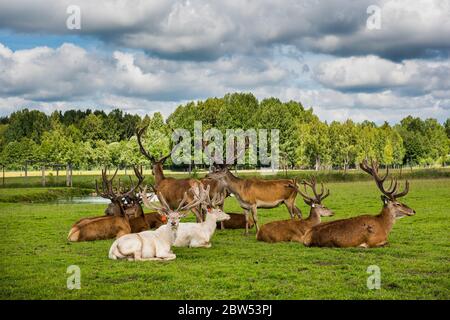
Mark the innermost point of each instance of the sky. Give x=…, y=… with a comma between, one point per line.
x=372, y=60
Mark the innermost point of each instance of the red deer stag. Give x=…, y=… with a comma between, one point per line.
x=365, y=231
x=118, y=222
x=172, y=189
x=256, y=193
x=294, y=230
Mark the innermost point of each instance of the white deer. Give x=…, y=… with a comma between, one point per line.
x=154, y=245
x=198, y=235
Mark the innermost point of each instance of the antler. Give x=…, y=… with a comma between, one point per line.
x=139, y=134
x=163, y=207
x=391, y=191
x=198, y=199
x=133, y=188
x=318, y=197
x=107, y=187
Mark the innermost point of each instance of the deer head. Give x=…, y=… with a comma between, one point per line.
x=173, y=215
x=315, y=201
x=391, y=194
x=120, y=200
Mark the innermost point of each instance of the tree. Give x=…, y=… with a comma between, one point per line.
x=25, y=123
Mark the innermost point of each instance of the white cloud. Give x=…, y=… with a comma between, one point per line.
x=199, y=30
x=371, y=73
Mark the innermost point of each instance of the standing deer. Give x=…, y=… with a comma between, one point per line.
x=171, y=189
x=365, y=231
x=256, y=193
x=294, y=230
x=154, y=245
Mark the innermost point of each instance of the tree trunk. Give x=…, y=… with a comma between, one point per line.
x=317, y=163
x=43, y=176
x=67, y=176
x=26, y=169
x=71, y=175
x=3, y=175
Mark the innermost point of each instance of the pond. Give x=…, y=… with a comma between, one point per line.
x=85, y=200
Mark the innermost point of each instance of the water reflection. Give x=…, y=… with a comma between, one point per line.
x=85, y=200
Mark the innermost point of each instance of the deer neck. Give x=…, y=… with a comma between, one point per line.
x=169, y=234
x=387, y=218
x=210, y=223
x=232, y=183
x=158, y=172
x=314, y=217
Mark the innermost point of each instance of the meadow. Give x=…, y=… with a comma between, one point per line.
x=415, y=265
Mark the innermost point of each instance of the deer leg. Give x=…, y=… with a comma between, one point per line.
x=255, y=217
x=246, y=221
x=290, y=208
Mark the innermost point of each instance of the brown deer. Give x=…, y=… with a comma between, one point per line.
x=236, y=221
x=365, y=231
x=172, y=189
x=118, y=222
x=256, y=193
x=294, y=230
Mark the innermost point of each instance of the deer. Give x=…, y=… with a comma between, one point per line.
x=198, y=235
x=366, y=231
x=294, y=230
x=170, y=188
x=154, y=244
x=117, y=221
x=236, y=221
x=254, y=193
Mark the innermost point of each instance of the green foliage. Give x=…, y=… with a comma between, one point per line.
x=90, y=139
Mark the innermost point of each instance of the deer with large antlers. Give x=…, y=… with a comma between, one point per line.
x=294, y=230
x=257, y=193
x=154, y=245
x=198, y=235
x=173, y=190
x=365, y=231
x=121, y=218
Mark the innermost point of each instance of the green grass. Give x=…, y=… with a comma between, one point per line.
x=416, y=265
x=40, y=194
x=88, y=180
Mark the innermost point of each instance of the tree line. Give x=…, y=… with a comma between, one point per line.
x=91, y=139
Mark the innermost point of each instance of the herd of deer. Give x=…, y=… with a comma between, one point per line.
x=150, y=236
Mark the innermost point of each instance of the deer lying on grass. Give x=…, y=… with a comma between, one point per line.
x=118, y=222
x=294, y=230
x=236, y=221
x=153, y=245
x=365, y=231
x=256, y=193
x=198, y=235
x=172, y=189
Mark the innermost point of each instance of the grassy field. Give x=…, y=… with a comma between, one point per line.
x=416, y=264
x=86, y=179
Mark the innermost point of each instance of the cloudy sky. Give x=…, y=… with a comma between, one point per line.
x=146, y=56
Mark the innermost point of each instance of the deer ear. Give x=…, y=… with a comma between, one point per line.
x=384, y=199
x=313, y=205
